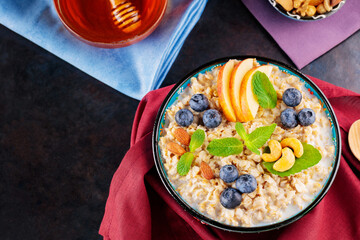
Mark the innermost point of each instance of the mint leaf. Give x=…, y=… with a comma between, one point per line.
x=258, y=137
x=225, y=147
x=197, y=139
x=184, y=164
x=241, y=130
x=310, y=158
x=252, y=148
x=264, y=90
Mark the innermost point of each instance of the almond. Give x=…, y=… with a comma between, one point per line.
x=334, y=2
x=175, y=148
x=182, y=136
x=315, y=2
x=206, y=171
x=286, y=4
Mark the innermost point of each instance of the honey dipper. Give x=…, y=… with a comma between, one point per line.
x=125, y=15
x=354, y=139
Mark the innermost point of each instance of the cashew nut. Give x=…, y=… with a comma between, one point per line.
x=294, y=144
x=310, y=11
x=286, y=161
x=327, y=5
x=297, y=3
x=321, y=9
x=275, y=152
x=302, y=9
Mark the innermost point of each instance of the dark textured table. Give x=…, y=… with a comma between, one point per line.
x=63, y=133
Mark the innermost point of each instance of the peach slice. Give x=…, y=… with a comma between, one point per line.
x=235, y=83
x=223, y=90
x=249, y=104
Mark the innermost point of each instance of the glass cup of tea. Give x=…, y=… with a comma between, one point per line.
x=111, y=23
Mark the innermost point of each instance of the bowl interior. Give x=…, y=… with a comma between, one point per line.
x=182, y=85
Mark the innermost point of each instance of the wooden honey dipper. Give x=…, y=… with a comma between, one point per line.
x=125, y=15
x=354, y=139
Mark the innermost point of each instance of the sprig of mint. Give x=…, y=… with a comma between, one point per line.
x=257, y=138
x=184, y=164
x=310, y=157
x=197, y=139
x=264, y=90
x=225, y=147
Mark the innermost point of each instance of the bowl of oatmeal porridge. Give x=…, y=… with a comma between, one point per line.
x=246, y=144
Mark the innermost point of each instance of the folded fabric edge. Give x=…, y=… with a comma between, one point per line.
x=185, y=25
x=134, y=96
x=188, y=21
x=107, y=219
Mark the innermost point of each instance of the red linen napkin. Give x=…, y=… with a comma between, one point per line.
x=139, y=206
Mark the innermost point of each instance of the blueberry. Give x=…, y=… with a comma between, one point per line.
x=292, y=97
x=246, y=183
x=211, y=118
x=230, y=198
x=184, y=117
x=229, y=173
x=288, y=118
x=199, y=102
x=306, y=117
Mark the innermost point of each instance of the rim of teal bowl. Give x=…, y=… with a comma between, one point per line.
x=171, y=98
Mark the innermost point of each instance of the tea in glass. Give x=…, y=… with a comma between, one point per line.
x=111, y=23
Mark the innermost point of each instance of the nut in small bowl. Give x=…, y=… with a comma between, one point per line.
x=307, y=10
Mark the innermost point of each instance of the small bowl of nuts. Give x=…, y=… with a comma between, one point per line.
x=307, y=10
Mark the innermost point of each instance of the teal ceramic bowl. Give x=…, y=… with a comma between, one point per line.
x=183, y=84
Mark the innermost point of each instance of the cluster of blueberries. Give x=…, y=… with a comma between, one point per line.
x=231, y=197
x=198, y=102
x=289, y=118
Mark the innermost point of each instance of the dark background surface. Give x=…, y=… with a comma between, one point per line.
x=63, y=133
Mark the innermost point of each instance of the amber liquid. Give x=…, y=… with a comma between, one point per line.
x=93, y=19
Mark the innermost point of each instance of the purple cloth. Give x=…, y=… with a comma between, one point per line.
x=303, y=42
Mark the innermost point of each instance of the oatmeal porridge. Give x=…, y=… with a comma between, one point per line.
x=269, y=195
